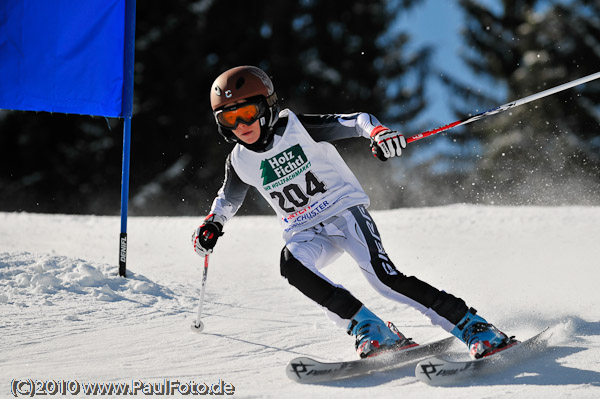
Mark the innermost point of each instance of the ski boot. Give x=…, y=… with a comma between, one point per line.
x=482, y=338
x=374, y=336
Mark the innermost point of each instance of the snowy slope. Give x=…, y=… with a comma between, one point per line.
x=65, y=315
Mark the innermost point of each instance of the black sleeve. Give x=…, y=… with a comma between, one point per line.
x=232, y=193
x=332, y=127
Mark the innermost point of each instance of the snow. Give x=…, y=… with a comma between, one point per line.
x=66, y=315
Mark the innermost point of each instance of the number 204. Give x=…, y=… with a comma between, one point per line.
x=292, y=196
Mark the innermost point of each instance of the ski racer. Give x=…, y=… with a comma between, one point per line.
x=323, y=211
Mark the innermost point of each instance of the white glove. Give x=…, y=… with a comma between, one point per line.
x=386, y=143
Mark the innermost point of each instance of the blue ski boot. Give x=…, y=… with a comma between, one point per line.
x=374, y=336
x=482, y=338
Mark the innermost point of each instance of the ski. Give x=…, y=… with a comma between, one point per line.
x=308, y=370
x=438, y=370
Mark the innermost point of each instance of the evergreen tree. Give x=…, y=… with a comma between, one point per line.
x=547, y=151
x=323, y=56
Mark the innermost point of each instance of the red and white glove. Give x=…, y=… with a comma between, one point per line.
x=205, y=237
x=386, y=143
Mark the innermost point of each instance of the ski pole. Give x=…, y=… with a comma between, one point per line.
x=504, y=107
x=198, y=325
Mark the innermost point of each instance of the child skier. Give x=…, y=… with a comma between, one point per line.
x=322, y=210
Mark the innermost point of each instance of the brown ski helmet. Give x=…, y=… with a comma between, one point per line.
x=251, y=83
x=240, y=83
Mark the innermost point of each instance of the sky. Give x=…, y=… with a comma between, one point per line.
x=438, y=24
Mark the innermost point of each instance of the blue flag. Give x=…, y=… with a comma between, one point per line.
x=63, y=56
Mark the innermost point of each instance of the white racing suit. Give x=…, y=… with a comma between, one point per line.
x=322, y=211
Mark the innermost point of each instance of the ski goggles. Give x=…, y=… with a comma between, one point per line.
x=246, y=113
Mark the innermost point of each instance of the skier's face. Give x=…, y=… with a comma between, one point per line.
x=249, y=134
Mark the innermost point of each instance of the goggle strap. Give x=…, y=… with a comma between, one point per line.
x=272, y=99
